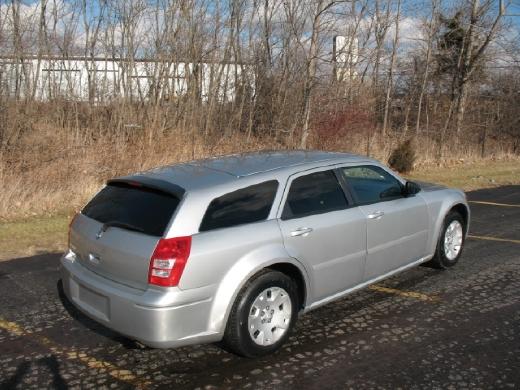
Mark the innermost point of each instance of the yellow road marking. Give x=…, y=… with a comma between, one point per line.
x=494, y=239
x=11, y=327
x=71, y=354
x=494, y=204
x=407, y=294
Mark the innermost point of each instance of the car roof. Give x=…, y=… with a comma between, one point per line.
x=247, y=164
x=230, y=168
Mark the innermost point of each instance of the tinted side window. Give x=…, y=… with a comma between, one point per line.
x=315, y=193
x=250, y=204
x=372, y=184
x=137, y=208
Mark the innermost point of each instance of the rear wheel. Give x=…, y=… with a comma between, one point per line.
x=451, y=242
x=263, y=315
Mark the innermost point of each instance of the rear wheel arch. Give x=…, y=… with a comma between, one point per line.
x=295, y=273
x=238, y=276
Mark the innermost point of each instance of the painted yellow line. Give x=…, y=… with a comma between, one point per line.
x=494, y=204
x=72, y=354
x=494, y=239
x=11, y=327
x=407, y=294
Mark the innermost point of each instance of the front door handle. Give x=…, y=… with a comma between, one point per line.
x=376, y=215
x=301, y=232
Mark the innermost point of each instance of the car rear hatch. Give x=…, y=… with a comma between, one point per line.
x=117, y=231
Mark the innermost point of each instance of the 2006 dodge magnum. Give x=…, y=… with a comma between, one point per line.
x=234, y=248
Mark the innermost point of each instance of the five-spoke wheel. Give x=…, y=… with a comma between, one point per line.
x=451, y=241
x=263, y=314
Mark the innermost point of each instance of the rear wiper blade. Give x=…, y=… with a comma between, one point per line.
x=122, y=225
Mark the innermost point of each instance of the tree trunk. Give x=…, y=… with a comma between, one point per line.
x=389, y=81
x=426, y=67
x=310, y=75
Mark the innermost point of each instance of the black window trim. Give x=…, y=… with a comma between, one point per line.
x=337, y=174
x=352, y=193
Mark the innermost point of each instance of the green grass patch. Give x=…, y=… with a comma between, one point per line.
x=471, y=176
x=32, y=236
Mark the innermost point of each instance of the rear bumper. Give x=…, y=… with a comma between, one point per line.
x=159, y=318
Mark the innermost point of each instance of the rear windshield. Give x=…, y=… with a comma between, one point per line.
x=129, y=207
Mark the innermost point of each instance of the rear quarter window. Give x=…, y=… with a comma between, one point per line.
x=247, y=205
x=139, y=208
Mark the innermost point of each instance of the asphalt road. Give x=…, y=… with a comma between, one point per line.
x=422, y=329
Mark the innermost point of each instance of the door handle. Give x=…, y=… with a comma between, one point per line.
x=301, y=232
x=376, y=215
x=94, y=258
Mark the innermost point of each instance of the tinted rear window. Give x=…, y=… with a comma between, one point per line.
x=247, y=205
x=138, y=208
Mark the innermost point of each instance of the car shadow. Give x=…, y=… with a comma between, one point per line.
x=25, y=368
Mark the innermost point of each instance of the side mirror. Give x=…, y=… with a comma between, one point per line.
x=411, y=188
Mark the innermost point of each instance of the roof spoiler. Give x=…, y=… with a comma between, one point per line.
x=151, y=183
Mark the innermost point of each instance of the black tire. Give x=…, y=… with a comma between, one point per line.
x=440, y=260
x=236, y=337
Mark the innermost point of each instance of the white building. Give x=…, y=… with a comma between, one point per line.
x=345, y=54
x=101, y=80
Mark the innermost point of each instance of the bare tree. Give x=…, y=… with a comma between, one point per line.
x=320, y=7
x=390, y=78
x=430, y=34
x=476, y=35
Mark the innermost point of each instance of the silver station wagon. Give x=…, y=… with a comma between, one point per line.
x=234, y=248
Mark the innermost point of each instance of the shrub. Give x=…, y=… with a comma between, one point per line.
x=403, y=157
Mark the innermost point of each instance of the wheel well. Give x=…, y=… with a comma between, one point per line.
x=463, y=211
x=295, y=274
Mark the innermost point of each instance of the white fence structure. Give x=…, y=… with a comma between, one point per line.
x=101, y=80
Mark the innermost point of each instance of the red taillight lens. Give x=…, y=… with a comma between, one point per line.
x=168, y=261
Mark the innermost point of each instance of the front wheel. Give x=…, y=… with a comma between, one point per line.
x=451, y=242
x=263, y=315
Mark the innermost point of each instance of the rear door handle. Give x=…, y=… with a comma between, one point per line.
x=376, y=215
x=94, y=258
x=301, y=232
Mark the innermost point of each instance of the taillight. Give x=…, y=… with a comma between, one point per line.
x=168, y=261
x=70, y=228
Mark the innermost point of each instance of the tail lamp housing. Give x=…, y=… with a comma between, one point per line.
x=168, y=261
